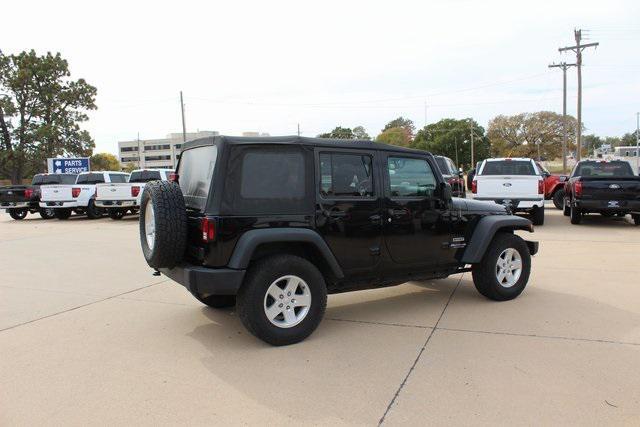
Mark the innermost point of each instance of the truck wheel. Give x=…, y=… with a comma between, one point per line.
x=46, y=213
x=576, y=215
x=282, y=299
x=18, y=214
x=116, y=214
x=504, y=270
x=636, y=219
x=558, y=199
x=62, y=213
x=94, y=212
x=217, y=301
x=537, y=216
x=163, y=224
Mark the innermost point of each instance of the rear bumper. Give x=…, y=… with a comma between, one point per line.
x=516, y=204
x=116, y=203
x=202, y=280
x=17, y=205
x=608, y=205
x=59, y=204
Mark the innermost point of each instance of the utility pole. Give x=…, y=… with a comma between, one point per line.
x=425, y=113
x=564, y=67
x=184, y=126
x=578, y=48
x=472, y=156
x=455, y=141
x=298, y=129
x=140, y=157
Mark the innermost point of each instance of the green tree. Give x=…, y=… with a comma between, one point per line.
x=528, y=134
x=395, y=136
x=401, y=122
x=129, y=167
x=41, y=109
x=339, y=133
x=628, y=139
x=361, y=133
x=452, y=138
x=104, y=162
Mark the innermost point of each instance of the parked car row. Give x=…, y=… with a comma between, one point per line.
x=89, y=193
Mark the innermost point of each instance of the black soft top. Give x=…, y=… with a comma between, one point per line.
x=314, y=142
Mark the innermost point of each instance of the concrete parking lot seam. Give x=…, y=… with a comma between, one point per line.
x=402, y=325
x=415, y=362
x=83, y=305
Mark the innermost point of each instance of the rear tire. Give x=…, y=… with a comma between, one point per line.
x=116, y=214
x=163, y=224
x=47, y=213
x=63, y=213
x=566, y=211
x=636, y=219
x=94, y=212
x=576, y=215
x=558, y=199
x=293, y=281
x=537, y=216
x=495, y=260
x=18, y=214
x=217, y=301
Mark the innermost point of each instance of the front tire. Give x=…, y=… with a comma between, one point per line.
x=537, y=216
x=94, y=212
x=47, y=213
x=282, y=299
x=18, y=214
x=504, y=270
x=576, y=215
x=217, y=301
x=558, y=199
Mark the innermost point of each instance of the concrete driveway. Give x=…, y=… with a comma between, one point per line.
x=89, y=336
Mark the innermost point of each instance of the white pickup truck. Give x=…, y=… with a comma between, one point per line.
x=516, y=183
x=119, y=198
x=78, y=197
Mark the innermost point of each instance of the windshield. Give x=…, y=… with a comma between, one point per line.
x=145, y=176
x=443, y=166
x=616, y=168
x=508, y=167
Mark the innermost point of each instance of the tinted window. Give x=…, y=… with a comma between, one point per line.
x=63, y=178
x=443, y=166
x=267, y=175
x=452, y=166
x=410, y=177
x=144, y=176
x=90, y=178
x=346, y=175
x=118, y=177
x=508, y=167
x=603, y=169
x=196, y=171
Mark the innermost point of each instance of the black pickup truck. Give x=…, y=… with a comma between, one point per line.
x=18, y=200
x=605, y=187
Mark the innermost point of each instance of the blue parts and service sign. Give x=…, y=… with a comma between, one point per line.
x=69, y=165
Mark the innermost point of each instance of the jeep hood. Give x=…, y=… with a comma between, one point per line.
x=478, y=206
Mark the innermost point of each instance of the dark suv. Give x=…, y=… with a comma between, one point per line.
x=272, y=225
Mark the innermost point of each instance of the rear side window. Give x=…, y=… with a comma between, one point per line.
x=603, y=169
x=508, y=167
x=117, y=177
x=346, y=175
x=443, y=165
x=90, y=178
x=268, y=180
x=145, y=176
x=196, y=172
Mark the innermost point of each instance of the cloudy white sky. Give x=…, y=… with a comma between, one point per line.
x=268, y=65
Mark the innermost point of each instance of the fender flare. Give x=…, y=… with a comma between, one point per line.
x=486, y=229
x=252, y=239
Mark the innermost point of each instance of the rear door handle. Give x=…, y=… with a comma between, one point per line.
x=397, y=212
x=337, y=214
x=375, y=218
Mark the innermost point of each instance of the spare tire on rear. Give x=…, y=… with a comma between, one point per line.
x=163, y=224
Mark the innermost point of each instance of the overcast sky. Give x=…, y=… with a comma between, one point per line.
x=268, y=65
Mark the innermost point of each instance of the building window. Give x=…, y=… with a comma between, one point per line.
x=129, y=159
x=178, y=146
x=125, y=149
x=157, y=147
x=152, y=158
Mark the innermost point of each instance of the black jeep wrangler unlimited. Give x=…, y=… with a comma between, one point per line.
x=272, y=225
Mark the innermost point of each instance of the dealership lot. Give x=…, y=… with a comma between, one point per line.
x=88, y=334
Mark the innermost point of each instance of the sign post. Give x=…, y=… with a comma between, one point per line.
x=69, y=165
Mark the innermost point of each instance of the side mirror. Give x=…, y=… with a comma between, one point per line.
x=563, y=178
x=460, y=173
x=546, y=174
x=445, y=191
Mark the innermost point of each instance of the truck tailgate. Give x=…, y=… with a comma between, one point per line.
x=610, y=188
x=56, y=193
x=117, y=191
x=12, y=194
x=508, y=187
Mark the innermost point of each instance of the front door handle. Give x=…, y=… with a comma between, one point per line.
x=397, y=212
x=337, y=214
x=375, y=218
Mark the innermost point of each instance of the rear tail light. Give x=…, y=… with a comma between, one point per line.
x=577, y=188
x=208, y=229
x=135, y=190
x=75, y=192
x=28, y=193
x=541, y=187
x=474, y=186
x=173, y=177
